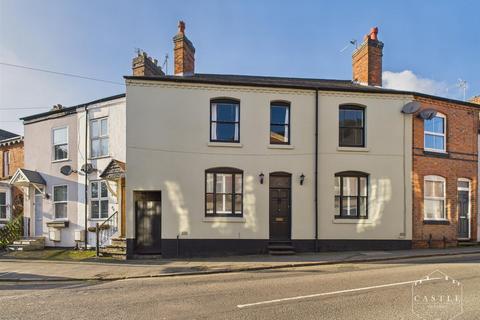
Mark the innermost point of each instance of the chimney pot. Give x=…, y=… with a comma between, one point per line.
x=181, y=27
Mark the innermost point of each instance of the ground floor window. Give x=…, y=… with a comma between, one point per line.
x=224, y=192
x=351, y=195
x=3, y=206
x=60, y=201
x=99, y=200
x=434, y=198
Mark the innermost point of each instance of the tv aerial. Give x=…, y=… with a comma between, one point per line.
x=463, y=85
x=352, y=42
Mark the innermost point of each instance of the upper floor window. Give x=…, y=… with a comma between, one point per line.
x=6, y=163
x=60, y=201
x=225, y=120
x=351, y=126
x=280, y=123
x=99, y=137
x=99, y=200
x=3, y=206
x=60, y=143
x=224, y=192
x=435, y=130
x=351, y=195
x=434, y=198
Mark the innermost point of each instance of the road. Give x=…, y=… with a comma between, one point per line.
x=380, y=290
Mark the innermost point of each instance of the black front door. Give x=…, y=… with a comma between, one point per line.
x=280, y=213
x=148, y=222
x=463, y=219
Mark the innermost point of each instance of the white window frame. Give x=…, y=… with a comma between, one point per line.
x=469, y=214
x=53, y=144
x=55, y=202
x=436, y=134
x=99, y=199
x=433, y=178
x=100, y=137
x=6, y=206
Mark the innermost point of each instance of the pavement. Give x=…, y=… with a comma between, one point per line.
x=370, y=290
x=46, y=270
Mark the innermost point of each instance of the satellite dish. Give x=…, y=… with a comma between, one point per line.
x=66, y=170
x=427, y=114
x=411, y=107
x=88, y=168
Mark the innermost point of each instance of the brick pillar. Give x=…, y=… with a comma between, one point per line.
x=184, y=53
x=367, y=60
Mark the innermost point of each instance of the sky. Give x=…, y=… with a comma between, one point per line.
x=429, y=44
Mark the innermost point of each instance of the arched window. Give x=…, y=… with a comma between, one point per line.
x=223, y=192
x=351, y=126
x=351, y=195
x=280, y=122
x=434, y=198
x=435, y=132
x=225, y=120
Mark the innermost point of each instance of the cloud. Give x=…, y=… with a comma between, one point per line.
x=409, y=81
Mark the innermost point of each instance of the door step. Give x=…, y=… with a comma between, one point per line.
x=116, y=250
x=467, y=243
x=278, y=248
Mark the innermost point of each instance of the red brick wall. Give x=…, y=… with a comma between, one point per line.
x=460, y=162
x=16, y=159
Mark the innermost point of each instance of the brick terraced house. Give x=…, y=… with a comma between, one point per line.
x=11, y=158
x=445, y=171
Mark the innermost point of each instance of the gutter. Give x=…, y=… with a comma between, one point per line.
x=86, y=177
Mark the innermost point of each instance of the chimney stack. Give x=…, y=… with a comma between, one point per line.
x=367, y=60
x=475, y=99
x=184, y=53
x=143, y=65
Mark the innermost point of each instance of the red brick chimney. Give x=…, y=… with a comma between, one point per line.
x=184, y=53
x=143, y=65
x=367, y=60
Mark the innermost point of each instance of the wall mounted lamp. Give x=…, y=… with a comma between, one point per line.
x=261, y=176
x=302, y=179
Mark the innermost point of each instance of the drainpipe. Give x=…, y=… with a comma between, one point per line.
x=86, y=175
x=316, y=170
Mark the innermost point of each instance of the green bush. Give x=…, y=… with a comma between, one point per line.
x=12, y=231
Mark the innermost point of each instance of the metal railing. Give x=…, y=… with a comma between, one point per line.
x=105, y=230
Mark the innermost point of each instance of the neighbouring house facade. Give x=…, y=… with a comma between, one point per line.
x=11, y=158
x=58, y=143
x=445, y=172
x=234, y=164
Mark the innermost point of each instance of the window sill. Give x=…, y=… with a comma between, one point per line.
x=442, y=222
x=61, y=160
x=353, y=149
x=100, y=157
x=351, y=221
x=225, y=219
x=435, y=153
x=281, y=146
x=97, y=219
x=225, y=144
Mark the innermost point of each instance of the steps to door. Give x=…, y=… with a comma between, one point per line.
x=117, y=249
x=279, y=248
x=27, y=244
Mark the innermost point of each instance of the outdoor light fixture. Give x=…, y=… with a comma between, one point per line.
x=302, y=178
x=261, y=176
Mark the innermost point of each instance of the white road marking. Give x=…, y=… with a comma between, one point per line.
x=333, y=293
